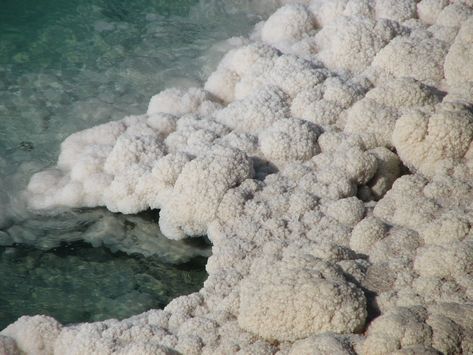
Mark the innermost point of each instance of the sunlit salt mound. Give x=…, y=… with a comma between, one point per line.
x=328, y=161
x=79, y=283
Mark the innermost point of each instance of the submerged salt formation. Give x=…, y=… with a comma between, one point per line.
x=290, y=160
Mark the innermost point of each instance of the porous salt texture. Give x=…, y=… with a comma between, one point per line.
x=290, y=161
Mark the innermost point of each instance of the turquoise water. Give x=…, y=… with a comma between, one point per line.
x=69, y=65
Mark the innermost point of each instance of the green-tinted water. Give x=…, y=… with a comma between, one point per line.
x=76, y=283
x=69, y=65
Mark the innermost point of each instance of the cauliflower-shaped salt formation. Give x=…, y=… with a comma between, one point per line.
x=8, y=346
x=178, y=101
x=256, y=111
x=288, y=24
x=429, y=10
x=324, y=103
x=351, y=43
x=445, y=261
x=444, y=328
x=326, y=344
x=293, y=74
x=406, y=205
x=454, y=15
x=146, y=348
x=290, y=140
x=419, y=56
x=293, y=299
x=374, y=117
x=458, y=66
x=424, y=140
x=399, y=11
x=389, y=169
x=326, y=11
x=200, y=188
x=237, y=64
x=34, y=335
x=366, y=233
x=157, y=185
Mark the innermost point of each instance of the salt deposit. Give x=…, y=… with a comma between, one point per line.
x=289, y=160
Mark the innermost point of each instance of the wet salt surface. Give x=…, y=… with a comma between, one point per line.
x=66, y=66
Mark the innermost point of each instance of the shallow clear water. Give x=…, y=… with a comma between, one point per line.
x=69, y=65
x=77, y=282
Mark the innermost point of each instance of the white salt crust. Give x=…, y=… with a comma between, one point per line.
x=290, y=160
